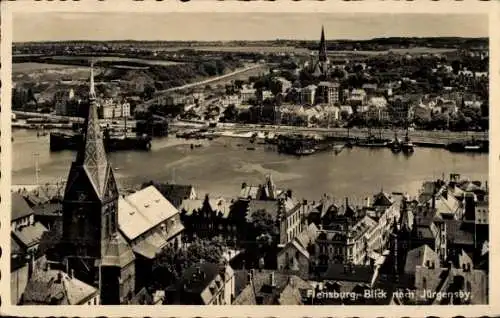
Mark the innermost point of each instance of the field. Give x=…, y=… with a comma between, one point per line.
x=115, y=59
x=299, y=50
x=243, y=49
x=35, y=67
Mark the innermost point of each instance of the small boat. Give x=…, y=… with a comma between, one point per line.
x=373, y=142
x=395, y=144
x=407, y=146
x=305, y=152
x=250, y=148
x=338, y=148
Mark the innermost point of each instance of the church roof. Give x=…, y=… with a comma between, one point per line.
x=92, y=156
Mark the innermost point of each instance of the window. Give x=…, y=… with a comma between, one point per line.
x=424, y=283
x=113, y=223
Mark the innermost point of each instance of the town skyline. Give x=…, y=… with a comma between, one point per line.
x=30, y=27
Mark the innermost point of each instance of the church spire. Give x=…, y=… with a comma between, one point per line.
x=92, y=155
x=322, y=46
x=92, y=95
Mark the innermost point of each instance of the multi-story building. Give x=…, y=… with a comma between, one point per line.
x=357, y=97
x=329, y=92
x=247, y=94
x=203, y=284
x=308, y=94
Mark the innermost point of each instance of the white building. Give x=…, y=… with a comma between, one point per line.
x=308, y=94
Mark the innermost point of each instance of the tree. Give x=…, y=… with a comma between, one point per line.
x=169, y=263
x=230, y=113
x=263, y=223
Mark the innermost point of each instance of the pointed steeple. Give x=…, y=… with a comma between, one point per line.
x=92, y=155
x=322, y=47
x=92, y=95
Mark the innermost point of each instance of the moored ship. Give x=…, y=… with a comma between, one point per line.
x=66, y=141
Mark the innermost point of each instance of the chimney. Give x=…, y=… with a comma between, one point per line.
x=367, y=201
x=346, y=202
x=72, y=273
x=243, y=185
x=272, y=281
x=289, y=193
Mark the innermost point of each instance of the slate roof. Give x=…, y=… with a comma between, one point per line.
x=20, y=207
x=355, y=273
x=196, y=282
x=54, y=287
x=175, y=193
x=382, y=199
x=286, y=290
x=460, y=232
x=29, y=235
x=418, y=257
x=48, y=209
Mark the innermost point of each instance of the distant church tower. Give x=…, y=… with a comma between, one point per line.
x=92, y=245
x=322, y=65
x=323, y=57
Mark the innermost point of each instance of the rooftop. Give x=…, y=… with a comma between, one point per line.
x=54, y=287
x=29, y=235
x=20, y=207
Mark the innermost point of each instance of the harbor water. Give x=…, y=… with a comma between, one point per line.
x=220, y=166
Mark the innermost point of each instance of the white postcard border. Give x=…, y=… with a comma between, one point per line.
x=437, y=7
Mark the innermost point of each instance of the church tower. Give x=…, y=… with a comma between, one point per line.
x=320, y=68
x=322, y=47
x=92, y=245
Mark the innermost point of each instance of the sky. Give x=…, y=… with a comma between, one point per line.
x=240, y=26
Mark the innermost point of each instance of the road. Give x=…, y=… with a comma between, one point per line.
x=204, y=82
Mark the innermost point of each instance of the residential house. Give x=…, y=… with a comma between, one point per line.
x=265, y=287
x=203, y=284
x=21, y=213
x=265, y=191
x=357, y=97
x=295, y=255
x=369, y=88
x=209, y=218
x=54, y=287
x=231, y=100
x=422, y=256
x=247, y=94
x=448, y=282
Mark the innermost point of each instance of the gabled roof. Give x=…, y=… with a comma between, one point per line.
x=29, y=235
x=260, y=287
x=418, y=257
x=355, y=273
x=382, y=199
x=175, y=193
x=54, y=287
x=20, y=207
x=142, y=211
